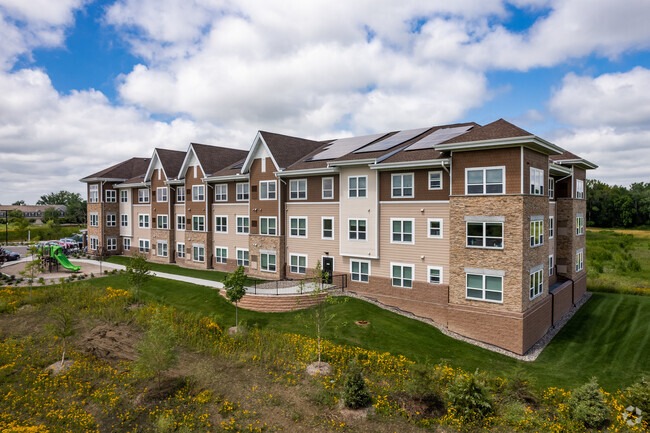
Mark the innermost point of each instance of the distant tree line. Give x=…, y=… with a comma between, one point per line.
x=618, y=206
x=75, y=209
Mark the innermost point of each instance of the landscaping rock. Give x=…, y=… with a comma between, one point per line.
x=59, y=367
x=319, y=368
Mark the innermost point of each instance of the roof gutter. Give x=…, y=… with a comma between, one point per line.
x=307, y=172
x=538, y=143
x=411, y=164
x=100, y=179
x=578, y=162
x=133, y=185
x=352, y=162
x=234, y=177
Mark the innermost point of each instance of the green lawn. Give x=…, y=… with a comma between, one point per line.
x=607, y=338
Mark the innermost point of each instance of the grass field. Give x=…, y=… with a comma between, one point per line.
x=42, y=232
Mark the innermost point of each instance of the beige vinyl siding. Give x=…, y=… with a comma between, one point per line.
x=140, y=233
x=230, y=240
x=359, y=208
x=179, y=209
x=551, y=242
x=313, y=246
x=125, y=209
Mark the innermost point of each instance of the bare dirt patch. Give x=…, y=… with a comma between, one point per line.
x=111, y=342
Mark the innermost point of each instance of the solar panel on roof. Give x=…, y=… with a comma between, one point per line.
x=343, y=146
x=439, y=136
x=240, y=165
x=393, y=140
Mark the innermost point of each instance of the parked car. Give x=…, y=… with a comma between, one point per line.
x=9, y=256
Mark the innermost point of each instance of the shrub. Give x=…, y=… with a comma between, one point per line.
x=587, y=405
x=518, y=389
x=638, y=395
x=470, y=398
x=41, y=280
x=355, y=390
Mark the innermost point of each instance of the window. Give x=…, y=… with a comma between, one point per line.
x=580, y=224
x=298, y=264
x=93, y=194
x=198, y=253
x=221, y=224
x=94, y=242
x=162, y=222
x=242, y=258
x=551, y=227
x=401, y=231
x=111, y=196
x=198, y=193
x=328, y=188
x=551, y=188
x=298, y=189
x=221, y=192
x=357, y=229
x=268, y=226
x=298, y=227
x=328, y=228
x=126, y=243
x=485, y=234
x=111, y=220
x=143, y=245
x=180, y=222
x=198, y=223
x=536, y=181
x=267, y=261
x=435, y=228
x=124, y=220
x=143, y=220
x=435, y=274
x=551, y=265
x=580, y=189
x=243, y=225
x=488, y=180
x=220, y=254
x=180, y=250
x=402, y=185
x=435, y=180
x=402, y=275
x=162, y=249
x=94, y=220
x=359, y=270
x=536, y=233
x=111, y=244
x=242, y=191
x=180, y=194
x=357, y=186
x=143, y=195
x=536, y=282
x=161, y=195
x=484, y=287
x=267, y=190
x=579, y=260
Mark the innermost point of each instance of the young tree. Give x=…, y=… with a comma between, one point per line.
x=235, y=290
x=34, y=267
x=157, y=350
x=320, y=314
x=63, y=326
x=138, y=272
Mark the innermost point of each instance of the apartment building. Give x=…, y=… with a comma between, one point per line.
x=479, y=228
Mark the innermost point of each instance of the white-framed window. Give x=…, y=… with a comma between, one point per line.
x=551, y=227
x=221, y=224
x=162, y=249
x=198, y=223
x=298, y=227
x=580, y=257
x=94, y=242
x=111, y=196
x=551, y=265
x=242, y=257
x=298, y=189
x=143, y=195
x=580, y=224
x=357, y=229
x=180, y=250
x=162, y=222
x=94, y=219
x=111, y=220
x=401, y=185
x=144, y=245
x=551, y=188
x=243, y=225
x=268, y=226
x=161, y=195
x=242, y=191
x=402, y=275
x=435, y=274
x=198, y=192
x=298, y=263
x=327, y=188
x=124, y=220
x=360, y=270
x=126, y=244
x=537, y=233
x=180, y=222
x=221, y=192
x=434, y=228
x=180, y=194
x=536, y=282
x=268, y=261
x=484, y=286
x=328, y=228
x=124, y=196
x=401, y=231
x=221, y=254
x=93, y=194
x=580, y=188
x=268, y=190
x=435, y=179
x=536, y=181
x=198, y=253
x=484, y=180
x=485, y=235
x=143, y=220
x=111, y=244
x=357, y=186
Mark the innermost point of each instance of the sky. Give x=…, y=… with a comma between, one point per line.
x=86, y=84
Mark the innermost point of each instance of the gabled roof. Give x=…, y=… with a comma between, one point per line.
x=215, y=158
x=498, y=129
x=170, y=160
x=286, y=150
x=121, y=171
x=568, y=158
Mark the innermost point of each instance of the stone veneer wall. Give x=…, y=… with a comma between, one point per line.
x=272, y=243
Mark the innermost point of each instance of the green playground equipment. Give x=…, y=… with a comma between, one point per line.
x=56, y=251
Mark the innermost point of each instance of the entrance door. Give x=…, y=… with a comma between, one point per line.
x=328, y=268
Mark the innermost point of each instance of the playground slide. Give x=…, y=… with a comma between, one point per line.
x=63, y=260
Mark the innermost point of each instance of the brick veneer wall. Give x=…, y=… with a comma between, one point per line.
x=562, y=301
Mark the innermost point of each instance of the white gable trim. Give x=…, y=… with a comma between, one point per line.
x=152, y=164
x=186, y=162
x=259, y=140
